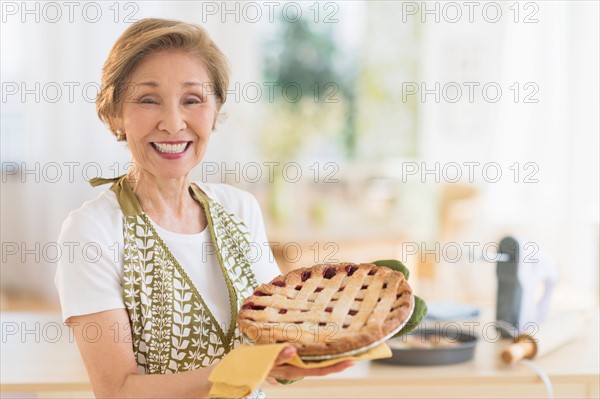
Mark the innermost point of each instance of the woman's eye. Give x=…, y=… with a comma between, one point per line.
x=194, y=100
x=147, y=100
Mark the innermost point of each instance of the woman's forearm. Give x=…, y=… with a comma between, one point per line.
x=113, y=371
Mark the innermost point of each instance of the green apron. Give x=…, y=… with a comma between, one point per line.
x=173, y=330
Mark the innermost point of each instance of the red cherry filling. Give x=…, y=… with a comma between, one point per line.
x=319, y=289
x=260, y=293
x=279, y=283
x=352, y=312
x=305, y=275
x=252, y=306
x=351, y=269
x=298, y=288
x=329, y=273
x=372, y=272
x=329, y=309
x=282, y=311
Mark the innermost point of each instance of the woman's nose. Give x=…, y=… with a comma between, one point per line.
x=172, y=119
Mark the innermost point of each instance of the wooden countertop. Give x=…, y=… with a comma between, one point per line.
x=39, y=355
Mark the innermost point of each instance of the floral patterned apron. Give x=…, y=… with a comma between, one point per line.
x=173, y=329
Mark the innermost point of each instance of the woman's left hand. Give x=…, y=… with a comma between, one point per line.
x=283, y=371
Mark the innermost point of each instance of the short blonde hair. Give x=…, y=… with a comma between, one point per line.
x=144, y=38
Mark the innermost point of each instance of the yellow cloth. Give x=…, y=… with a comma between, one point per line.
x=246, y=367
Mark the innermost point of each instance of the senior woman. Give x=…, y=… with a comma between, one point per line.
x=156, y=309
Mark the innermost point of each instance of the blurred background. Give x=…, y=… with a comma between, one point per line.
x=367, y=130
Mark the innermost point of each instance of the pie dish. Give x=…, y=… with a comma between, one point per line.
x=328, y=309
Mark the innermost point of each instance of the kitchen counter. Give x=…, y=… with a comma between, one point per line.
x=574, y=370
x=38, y=356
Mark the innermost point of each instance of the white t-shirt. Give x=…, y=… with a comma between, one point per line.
x=90, y=272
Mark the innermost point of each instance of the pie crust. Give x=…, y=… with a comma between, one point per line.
x=328, y=308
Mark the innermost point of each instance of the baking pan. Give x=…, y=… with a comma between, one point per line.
x=445, y=347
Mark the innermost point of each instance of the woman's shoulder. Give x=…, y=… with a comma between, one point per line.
x=236, y=200
x=225, y=194
x=99, y=214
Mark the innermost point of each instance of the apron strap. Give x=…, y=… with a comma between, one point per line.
x=199, y=195
x=98, y=181
x=129, y=203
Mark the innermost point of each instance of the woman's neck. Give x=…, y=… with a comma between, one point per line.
x=168, y=202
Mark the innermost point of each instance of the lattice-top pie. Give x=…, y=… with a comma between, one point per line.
x=327, y=309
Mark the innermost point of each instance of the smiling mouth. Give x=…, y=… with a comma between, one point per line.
x=171, y=148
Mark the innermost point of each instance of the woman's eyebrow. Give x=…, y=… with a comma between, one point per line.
x=187, y=84
x=153, y=83
x=149, y=83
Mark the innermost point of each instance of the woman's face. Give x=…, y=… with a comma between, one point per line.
x=168, y=114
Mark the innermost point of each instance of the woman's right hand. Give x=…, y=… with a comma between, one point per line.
x=287, y=372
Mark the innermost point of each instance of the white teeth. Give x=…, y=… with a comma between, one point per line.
x=170, y=148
